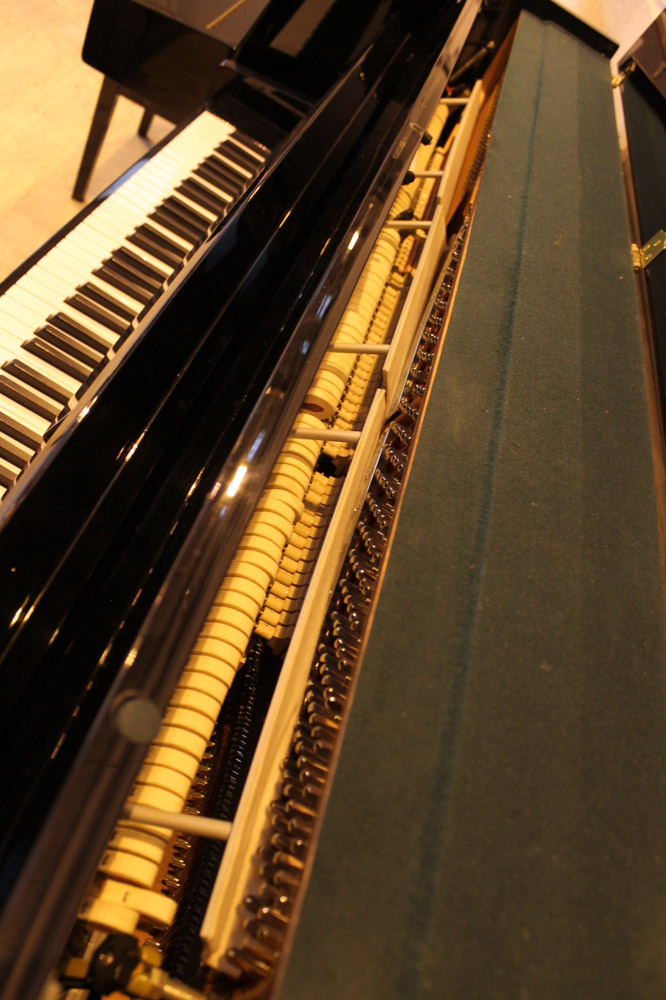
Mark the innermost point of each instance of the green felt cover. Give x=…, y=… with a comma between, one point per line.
x=496, y=827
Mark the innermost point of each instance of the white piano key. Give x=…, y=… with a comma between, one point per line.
x=138, y=198
x=13, y=328
x=88, y=244
x=59, y=264
x=42, y=298
x=45, y=285
x=119, y=218
x=86, y=247
x=71, y=262
x=11, y=309
x=64, y=261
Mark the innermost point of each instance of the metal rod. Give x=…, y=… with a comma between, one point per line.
x=331, y=434
x=340, y=347
x=428, y=173
x=453, y=101
x=200, y=826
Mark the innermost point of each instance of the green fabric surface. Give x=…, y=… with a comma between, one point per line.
x=496, y=823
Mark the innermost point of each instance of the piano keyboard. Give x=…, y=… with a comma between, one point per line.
x=63, y=319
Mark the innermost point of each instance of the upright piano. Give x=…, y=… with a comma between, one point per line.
x=332, y=607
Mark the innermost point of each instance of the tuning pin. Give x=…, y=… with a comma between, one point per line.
x=274, y=917
x=248, y=960
x=409, y=410
x=323, y=723
x=425, y=354
x=265, y=935
x=388, y=484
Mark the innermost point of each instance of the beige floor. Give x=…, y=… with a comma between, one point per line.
x=47, y=97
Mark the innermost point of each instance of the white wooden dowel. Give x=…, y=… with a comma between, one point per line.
x=405, y=224
x=345, y=348
x=313, y=434
x=200, y=826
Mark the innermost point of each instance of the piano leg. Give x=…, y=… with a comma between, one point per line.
x=106, y=103
x=146, y=119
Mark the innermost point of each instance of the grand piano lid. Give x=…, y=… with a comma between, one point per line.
x=649, y=53
x=227, y=20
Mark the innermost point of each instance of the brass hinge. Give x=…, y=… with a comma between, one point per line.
x=619, y=78
x=643, y=256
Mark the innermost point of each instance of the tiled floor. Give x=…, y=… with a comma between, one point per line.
x=47, y=97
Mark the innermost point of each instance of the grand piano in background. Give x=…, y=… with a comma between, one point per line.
x=496, y=820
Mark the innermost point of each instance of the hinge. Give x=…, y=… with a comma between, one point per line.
x=619, y=78
x=643, y=256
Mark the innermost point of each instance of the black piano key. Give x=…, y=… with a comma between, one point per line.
x=21, y=394
x=170, y=244
x=31, y=377
x=202, y=196
x=158, y=246
x=246, y=143
x=220, y=163
x=142, y=270
x=79, y=331
x=188, y=214
x=13, y=429
x=98, y=313
x=64, y=362
x=8, y=475
x=145, y=242
x=238, y=156
x=13, y=452
x=176, y=225
x=72, y=346
x=108, y=301
x=221, y=177
x=117, y=276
